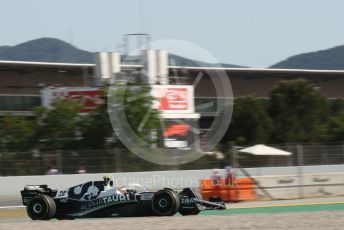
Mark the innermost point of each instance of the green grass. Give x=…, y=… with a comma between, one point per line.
x=277, y=209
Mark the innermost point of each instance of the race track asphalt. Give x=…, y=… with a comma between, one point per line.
x=315, y=214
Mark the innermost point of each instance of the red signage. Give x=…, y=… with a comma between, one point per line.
x=173, y=99
x=88, y=99
x=177, y=130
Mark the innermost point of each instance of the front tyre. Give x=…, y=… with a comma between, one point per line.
x=41, y=207
x=165, y=203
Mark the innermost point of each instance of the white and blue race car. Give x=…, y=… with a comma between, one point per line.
x=102, y=199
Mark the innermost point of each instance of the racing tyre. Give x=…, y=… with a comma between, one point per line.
x=165, y=203
x=41, y=207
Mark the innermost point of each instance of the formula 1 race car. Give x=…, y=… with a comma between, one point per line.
x=101, y=199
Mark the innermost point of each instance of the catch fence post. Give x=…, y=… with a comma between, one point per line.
x=118, y=153
x=234, y=152
x=59, y=161
x=300, y=163
x=343, y=150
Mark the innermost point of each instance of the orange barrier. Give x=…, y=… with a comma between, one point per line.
x=243, y=189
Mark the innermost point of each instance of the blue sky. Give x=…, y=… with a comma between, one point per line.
x=244, y=32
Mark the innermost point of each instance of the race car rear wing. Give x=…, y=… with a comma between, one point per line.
x=30, y=191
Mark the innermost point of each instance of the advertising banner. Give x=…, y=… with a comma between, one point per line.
x=174, y=98
x=88, y=98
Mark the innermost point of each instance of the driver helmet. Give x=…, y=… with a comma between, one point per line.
x=108, y=181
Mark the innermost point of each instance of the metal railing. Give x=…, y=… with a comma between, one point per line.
x=121, y=160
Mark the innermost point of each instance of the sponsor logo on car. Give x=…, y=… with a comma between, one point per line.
x=105, y=201
x=187, y=200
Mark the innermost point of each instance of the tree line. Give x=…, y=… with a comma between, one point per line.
x=294, y=112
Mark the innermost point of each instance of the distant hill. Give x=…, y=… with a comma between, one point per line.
x=55, y=50
x=45, y=50
x=324, y=59
x=182, y=61
x=2, y=48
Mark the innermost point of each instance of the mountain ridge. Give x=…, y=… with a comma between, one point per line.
x=56, y=50
x=332, y=58
x=47, y=50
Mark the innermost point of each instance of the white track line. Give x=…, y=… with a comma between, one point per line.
x=12, y=207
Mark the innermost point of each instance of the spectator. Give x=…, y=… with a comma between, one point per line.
x=81, y=169
x=230, y=179
x=52, y=170
x=216, y=178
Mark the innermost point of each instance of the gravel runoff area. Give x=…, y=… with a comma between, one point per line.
x=320, y=220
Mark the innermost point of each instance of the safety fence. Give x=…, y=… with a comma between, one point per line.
x=121, y=160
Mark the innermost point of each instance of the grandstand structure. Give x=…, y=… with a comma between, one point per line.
x=21, y=82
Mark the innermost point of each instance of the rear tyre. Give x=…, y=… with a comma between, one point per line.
x=41, y=207
x=165, y=203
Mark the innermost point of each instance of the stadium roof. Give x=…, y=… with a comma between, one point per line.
x=267, y=70
x=18, y=65
x=48, y=64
